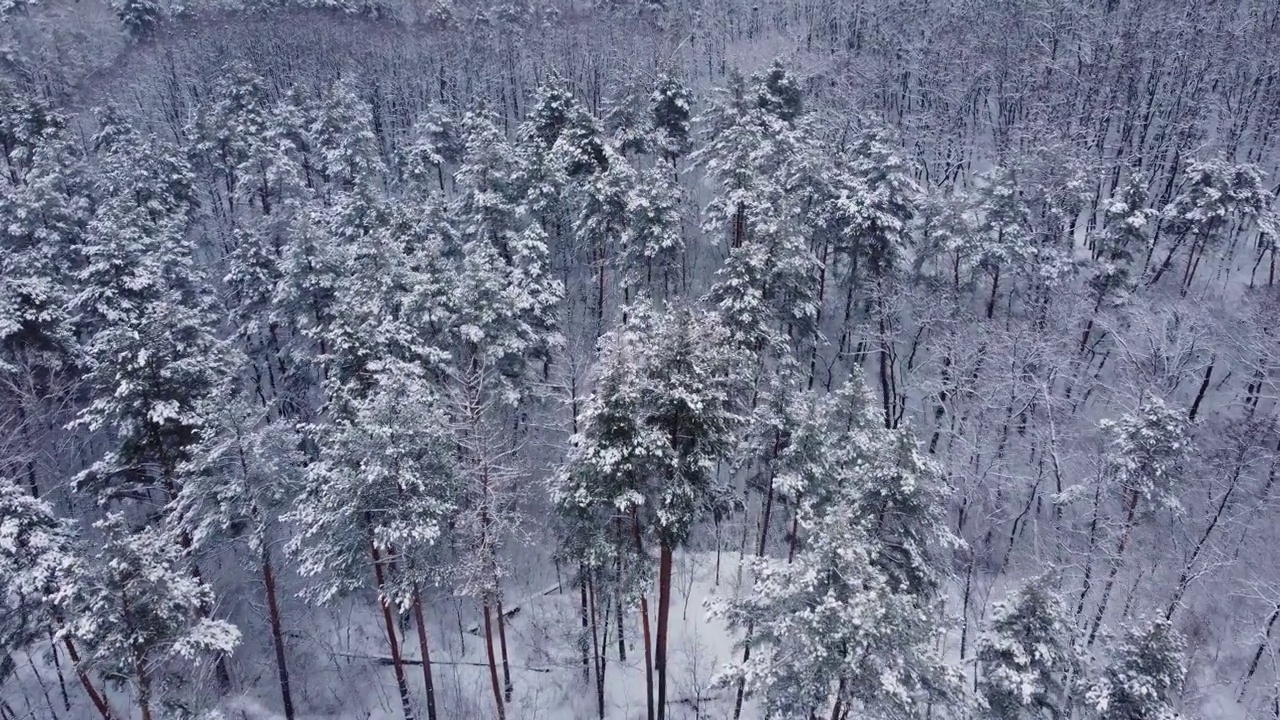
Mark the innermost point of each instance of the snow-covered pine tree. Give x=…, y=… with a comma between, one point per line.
x=1213, y=194
x=883, y=203
x=784, y=451
x=863, y=207
x=147, y=316
x=689, y=389
x=643, y=465
x=381, y=490
x=852, y=616
x=346, y=148
x=601, y=488
x=602, y=217
x=768, y=282
x=1143, y=676
x=140, y=18
x=653, y=243
x=1001, y=243
x=671, y=105
x=383, y=484
x=504, y=306
x=240, y=477
x=1142, y=465
x=1027, y=658
x=559, y=143
x=35, y=549
x=433, y=147
x=137, y=613
x=46, y=202
x=234, y=123
x=506, y=296
x=1126, y=227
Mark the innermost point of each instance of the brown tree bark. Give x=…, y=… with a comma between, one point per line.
x=644, y=623
x=424, y=649
x=277, y=633
x=99, y=701
x=648, y=655
x=664, y=615
x=493, y=663
x=397, y=661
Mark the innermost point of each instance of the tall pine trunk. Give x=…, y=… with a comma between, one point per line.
x=664, y=614
x=493, y=662
x=644, y=622
x=583, y=643
x=98, y=699
x=393, y=642
x=502, y=643
x=648, y=655
x=277, y=632
x=424, y=649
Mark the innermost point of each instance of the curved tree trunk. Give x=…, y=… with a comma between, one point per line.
x=493, y=663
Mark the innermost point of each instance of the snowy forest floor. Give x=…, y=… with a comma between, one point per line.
x=547, y=672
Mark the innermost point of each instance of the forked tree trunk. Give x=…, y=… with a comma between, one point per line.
x=644, y=623
x=144, y=685
x=388, y=619
x=143, y=676
x=740, y=691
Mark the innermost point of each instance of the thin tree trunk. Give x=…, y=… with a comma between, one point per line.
x=502, y=642
x=582, y=639
x=277, y=633
x=1184, y=579
x=596, y=650
x=648, y=655
x=62, y=680
x=839, y=703
x=622, y=641
x=1204, y=387
x=393, y=642
x=425, y=650
x=795, y=533
x=644, y=622
x=1262, y=647
x=991, y=301
x=99, y=701
x=1087, y=584
x=1132, y=506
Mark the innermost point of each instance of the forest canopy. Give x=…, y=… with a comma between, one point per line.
x=724, y=359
